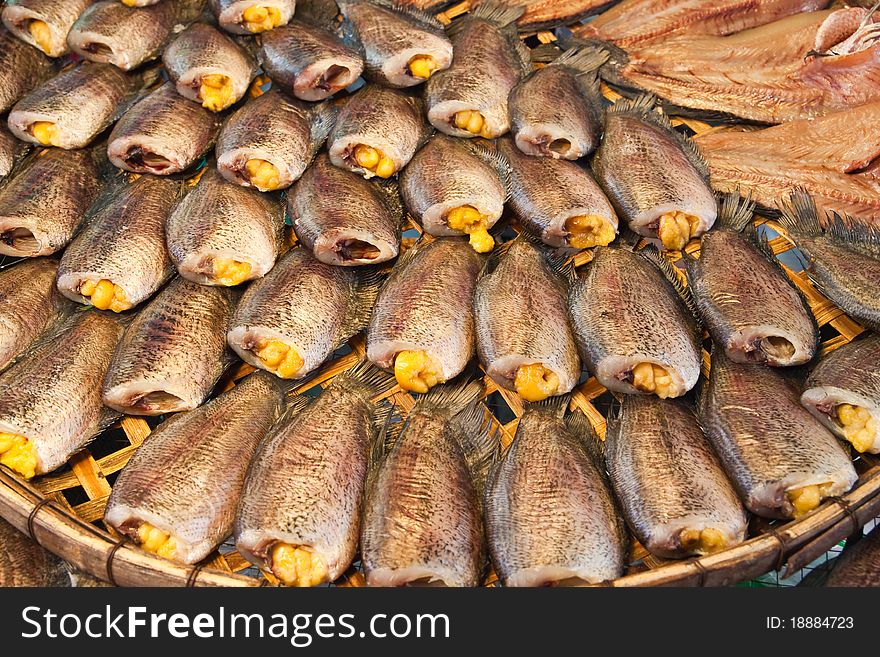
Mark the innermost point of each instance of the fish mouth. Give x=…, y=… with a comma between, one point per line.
x=769, y=348
x=355, y=250
x=98, y=48
x=158, y=401
x=144, y=158
x=21, y=240
x=333, y=77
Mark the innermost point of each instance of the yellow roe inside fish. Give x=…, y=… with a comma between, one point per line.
x=156, y=541
x=18, y=454
x=258, y=18
x=374, y=160
x=648, y=377
x=129, y=3
x=704, y=541
x=216, y=92
x=422, y=66
x=535, y=382
x=42, y=35
x=298, y=566
x=229, y=272
x=468, y=220
x=676, y=229
x=279, y=358
x=45, y=132
x=105, y=295
x=807, y=498
x=589, y=230
x=263, y=175
x=416, y=371
x=473, y=122
x=859, y=426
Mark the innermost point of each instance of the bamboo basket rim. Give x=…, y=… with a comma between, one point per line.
x=40, y=510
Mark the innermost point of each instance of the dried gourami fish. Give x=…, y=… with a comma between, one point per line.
x=299, y=516
x=173, y=352
x=859, y=565
x=269, y=141
x=523, y=335
x=208, y=67
x=43, y=24
x=744, y=298
x=674, y=494
x=252, y=16
x=634, y=325
x=162, y=134
x=422, y=514
x=28, y=302
x=70, y=109
x=550, y=516
x=307, y=59
x=302, y=311
x=21, y=69
x=112, y=33
x=377, y=132
x=842, y=260
x=50, y=398
x=342, y=218
x=654, y=176
x=633, y=23
x=558, y=201
x=24, y=563
x=469, y=98
x=119, y=258
x=556, y=110
x=423, y=323
x=832, y=157
x=223, y=234
x=177, y=496
x=781, y=460
x=42, y=205
x=402, y=47
x=843, y=392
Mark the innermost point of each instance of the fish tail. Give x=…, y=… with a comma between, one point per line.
x=452, y=397
x=735, y=211
x=799, y=214
x=368, y=378
x=580, y=427
x=556, y=405
x=323, y=120
x=501, y=14
x=586, y=59
x=364, y=292
x=479, y=439
x=488, y=153
x=676, y=280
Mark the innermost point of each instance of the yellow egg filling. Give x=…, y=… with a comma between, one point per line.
x=422, y=66
x=130, y=3
x=155, y=541
x=807, y=498
x=416, y=371
x=258, y=18
x=18, y=454
x=535, y=382
x=46, y=133
x=42, y=35
x=298, y=566
x=229, y=272
x=676, y=229
x=263, y=175
x=859, y=426
x=374, y=160
x=468, y=220
x=104, y=295
x=648, y=377
x=587, y=231
x=216, y=92
x=705, y=541
x=473, y=122
x=279, y=358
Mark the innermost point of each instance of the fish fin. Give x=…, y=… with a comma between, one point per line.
x=419, y=17
x=799, y=215
x=323, y=117
x=187, y=11
x=643, y=108
x=390, y=191
x=556, y=405
x=453, y=397
x=479, y=441
x=584, y=59
x=854, y=233
x=501, y=14
x=486, y=151
x=546, y=53
x=368, y=281
x=318, y=12
x=579, y=426
x=294, y=405
x=523, y=54
x=368, y=378
x=409, y=255
x=559, y=263
x=735, y=212
x=495, y=257
x=670, y=273
x=387, y=425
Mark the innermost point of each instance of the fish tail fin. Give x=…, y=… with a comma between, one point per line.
x=585, y=58
x=366, y=378
x=294, y=404
x=488, y=153
x=678, y=282
x=556, y=405
x=501, y=14
x=318, y=12
x=323, y=120
x=546, y=53
x=387, y=425
x=364, y=291
x=390, y=191
x=479, y=439
x=854, y=233
x=451, y=397
x=799, y=214
x=735, y=211
x=580, y=427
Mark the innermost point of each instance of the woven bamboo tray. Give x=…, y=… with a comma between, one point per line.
x=63, y=511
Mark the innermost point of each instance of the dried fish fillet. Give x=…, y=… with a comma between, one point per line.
x=43, y=24
x=550, y=516
x=119, y=259
x=173, y=352
x=674, y=494
x=162, y=134
x=252, y=16
x=50, y=398
x=177, y=496
x=546, y=14
x=21, y=69
x=423, y=323
x=223, y=234
x=302, y=311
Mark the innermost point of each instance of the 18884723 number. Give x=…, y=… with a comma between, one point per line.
x=810, y=623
